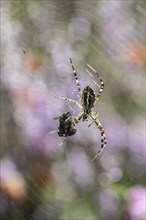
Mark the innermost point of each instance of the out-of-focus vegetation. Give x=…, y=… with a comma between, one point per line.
x=39, y=181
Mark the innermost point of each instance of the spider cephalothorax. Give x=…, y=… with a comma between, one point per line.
x=66, y=125
x=87, y=102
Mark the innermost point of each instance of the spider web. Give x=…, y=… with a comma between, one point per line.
x=38, y=39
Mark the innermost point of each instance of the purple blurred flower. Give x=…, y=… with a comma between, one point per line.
x=137, y=203
x=80, y=168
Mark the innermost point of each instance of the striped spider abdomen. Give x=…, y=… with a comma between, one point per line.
x=88, y=100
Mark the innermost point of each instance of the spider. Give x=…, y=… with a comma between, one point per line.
x=87, y=102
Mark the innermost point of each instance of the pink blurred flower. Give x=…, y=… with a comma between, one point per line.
x=137, y=203
x=12, y=183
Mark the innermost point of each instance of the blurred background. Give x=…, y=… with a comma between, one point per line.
x=38, y=180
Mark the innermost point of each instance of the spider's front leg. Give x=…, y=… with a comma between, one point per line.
x=101, y=83
x=78, y=117
x=76, y=79
x=103, y=138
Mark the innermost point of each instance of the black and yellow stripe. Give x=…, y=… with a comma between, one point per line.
x=101, y=82
x=101, y=86
x=103, y=138
x=76, y=78
x=88, y=99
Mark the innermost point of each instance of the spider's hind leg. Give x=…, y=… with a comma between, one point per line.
x=103, y=138
x=93, y=121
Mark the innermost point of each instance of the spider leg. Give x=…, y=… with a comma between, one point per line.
x=93, y=78
x=101, y=83
x=103, y=139
x=93, y=121
x=78, y=117
x=76, y=79
x=69, y=100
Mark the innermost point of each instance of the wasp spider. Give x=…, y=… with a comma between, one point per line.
x=87, y=102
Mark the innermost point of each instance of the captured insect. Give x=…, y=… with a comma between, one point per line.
x=66, y=126
x=87, y=102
